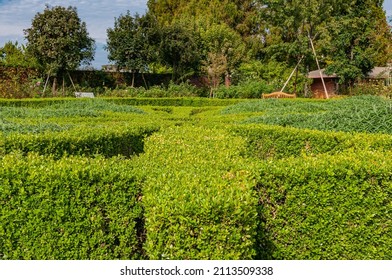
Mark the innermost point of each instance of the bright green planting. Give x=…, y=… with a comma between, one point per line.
x=198, y=196
x=108, y=140
x=74, y=208
x=192, y=183
x=326, y=207
x=368, y=114
x=275, y=142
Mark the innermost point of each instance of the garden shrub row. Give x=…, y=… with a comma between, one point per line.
x=326, y=207
x=275, y=142
x=72, y=208
x=108, y=140
x=198, y=196
x=195, y=102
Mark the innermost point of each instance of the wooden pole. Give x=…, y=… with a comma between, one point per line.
x=72, y=81
x=291, y=75
x=46, y=84
x=318, y=66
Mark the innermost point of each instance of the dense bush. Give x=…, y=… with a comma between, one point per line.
x=198, y=196
x=248, y=89
x=326, y=207
x=377, y=88
x=172, y=90
x=193, y=102
x=82, y=140
x=74, y=208
x=275, y=142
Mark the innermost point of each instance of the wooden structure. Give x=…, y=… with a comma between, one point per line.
x=278, y=94
x=331, y=81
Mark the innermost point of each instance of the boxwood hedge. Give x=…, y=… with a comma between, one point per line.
x=198, y=196
x=73, y=208
x=326, y=207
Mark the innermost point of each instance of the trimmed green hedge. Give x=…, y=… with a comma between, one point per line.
x=74, y=208
x=83, y=140
x=198, y=196
x=326, y=207
x=195, y=102
x=275, y=142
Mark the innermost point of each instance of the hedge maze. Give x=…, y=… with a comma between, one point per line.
x=190, y=179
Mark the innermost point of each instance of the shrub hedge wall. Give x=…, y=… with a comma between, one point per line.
x=198, y=196
x=195, y=102
x=84, y=140
x=73, y=208
x=326, y=207
x=275, y=142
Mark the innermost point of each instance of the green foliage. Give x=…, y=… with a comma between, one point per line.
x=274, y=142
x=13, y=55
x=179, y=50
x=221, y=39
x=239, y=15
x=86, y=140
x=203, y=186
x=173, y=90
x=357, y=40
x=356, y=114
x=128, y=44
x=73, y=209
x=198, y=196
x=250, y=89
x=49, y=40
x=327, y=207
x=195, y=102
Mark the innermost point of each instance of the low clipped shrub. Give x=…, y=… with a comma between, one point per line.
x=326, y=207
x=180, y=101
x=276, y=142
x=73, y=208
x=82, y=140
x=198, y=196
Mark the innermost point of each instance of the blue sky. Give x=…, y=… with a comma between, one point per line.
x=16, y=15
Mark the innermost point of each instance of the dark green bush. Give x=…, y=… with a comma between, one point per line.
x=75, y=208
x=326, y=207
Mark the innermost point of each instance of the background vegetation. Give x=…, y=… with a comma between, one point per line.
x=225, y=42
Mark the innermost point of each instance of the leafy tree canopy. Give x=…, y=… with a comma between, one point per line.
x=59, y=40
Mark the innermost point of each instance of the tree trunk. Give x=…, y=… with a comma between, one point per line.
x=54, y=86
x=227, y=80
x=63, y=86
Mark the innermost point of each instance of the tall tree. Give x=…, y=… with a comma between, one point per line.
x=240, y=15
x=357, y=40
x=128, y=44
x=351, y=37
x=224, y=50
x=59, y=40
x=179, y=50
